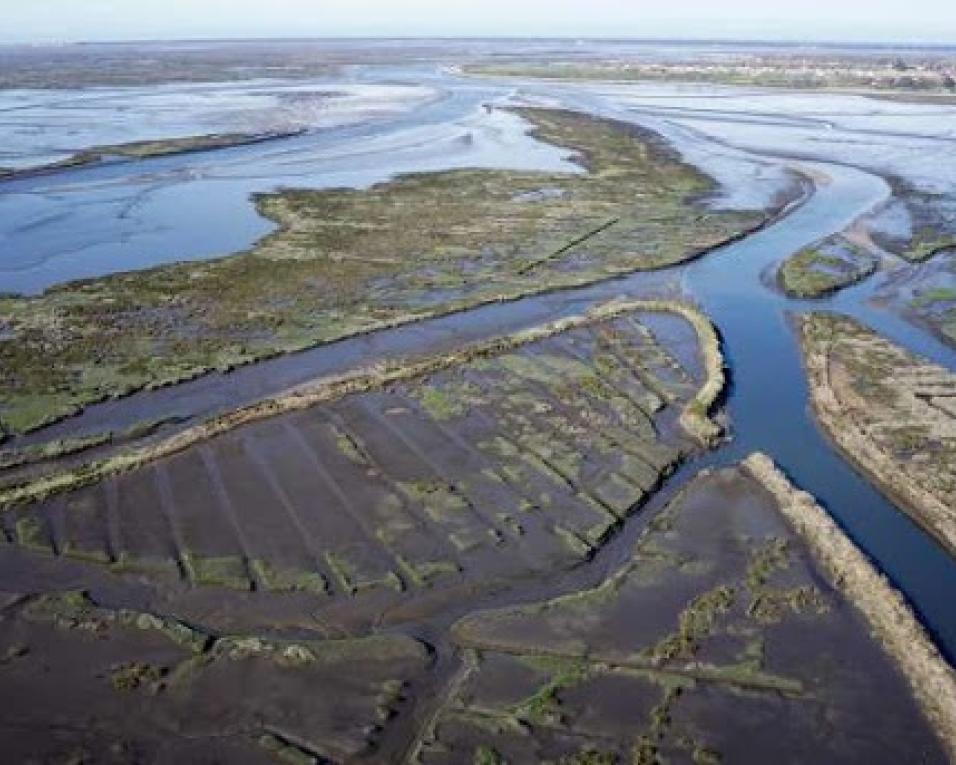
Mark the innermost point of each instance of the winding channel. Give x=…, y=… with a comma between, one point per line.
x=768, y=400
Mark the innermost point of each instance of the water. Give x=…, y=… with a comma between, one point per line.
x=46, y=126
x=768, y=400
x=132, y=215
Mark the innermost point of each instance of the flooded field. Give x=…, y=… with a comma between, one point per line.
x=120, y=685
x=425, y=429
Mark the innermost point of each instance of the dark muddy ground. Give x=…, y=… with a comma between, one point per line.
x=222, y=587
x=83, y=683
x=379, y=510
x=720, y=641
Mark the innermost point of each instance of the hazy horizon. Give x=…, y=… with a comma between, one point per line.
x=820, y=21
x=794, y=42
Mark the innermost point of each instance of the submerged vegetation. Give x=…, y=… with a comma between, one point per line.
x=893, y=622
x=345, y=262
x=936, y=306
x=172, y=686
x=515, y=455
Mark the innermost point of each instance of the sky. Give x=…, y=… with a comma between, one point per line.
x=845, y=20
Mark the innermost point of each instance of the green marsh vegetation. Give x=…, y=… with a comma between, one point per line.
x=891, y=411
x=344, y=262
x=825, y=268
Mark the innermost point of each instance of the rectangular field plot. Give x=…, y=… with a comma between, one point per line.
x=507, y=464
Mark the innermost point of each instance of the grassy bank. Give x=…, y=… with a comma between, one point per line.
x=890, y=412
